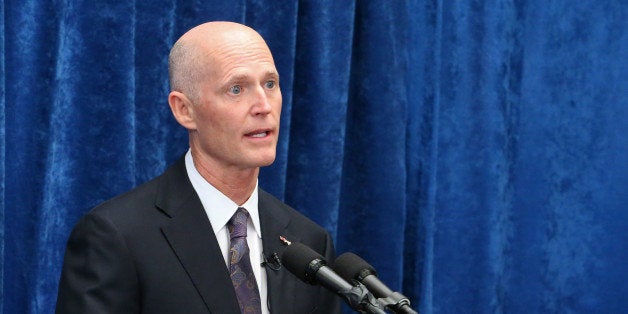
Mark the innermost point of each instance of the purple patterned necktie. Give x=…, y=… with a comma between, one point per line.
x=240, y=268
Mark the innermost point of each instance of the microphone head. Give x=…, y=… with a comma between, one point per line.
x=302, y=261
x=351, y=267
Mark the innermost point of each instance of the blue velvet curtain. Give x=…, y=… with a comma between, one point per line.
x=474, y=152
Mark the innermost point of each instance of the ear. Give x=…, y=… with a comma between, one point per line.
x=182, y=109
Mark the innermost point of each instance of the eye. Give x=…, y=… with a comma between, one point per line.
x=235, y=89
x=270, y=84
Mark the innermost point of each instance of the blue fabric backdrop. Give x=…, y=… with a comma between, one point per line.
x=474, y=152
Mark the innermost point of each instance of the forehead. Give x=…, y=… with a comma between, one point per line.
x=238, y=54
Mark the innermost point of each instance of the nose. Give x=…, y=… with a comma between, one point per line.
x=261, y=105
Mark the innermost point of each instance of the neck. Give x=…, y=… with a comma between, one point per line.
x=236, y=184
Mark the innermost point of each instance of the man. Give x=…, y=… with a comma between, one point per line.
x=168, y=245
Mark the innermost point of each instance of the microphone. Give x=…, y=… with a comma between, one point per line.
x=352, y=267
x=274, y=264
x=312, y=268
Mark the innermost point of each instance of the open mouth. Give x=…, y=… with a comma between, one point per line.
x=258, y=134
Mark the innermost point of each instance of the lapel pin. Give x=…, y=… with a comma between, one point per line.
x=284, y=241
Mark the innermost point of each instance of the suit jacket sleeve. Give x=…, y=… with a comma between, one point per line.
x=98, y=274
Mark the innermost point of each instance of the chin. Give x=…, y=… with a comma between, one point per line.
x=265, y=160
x=263, y=157
x=268, y=162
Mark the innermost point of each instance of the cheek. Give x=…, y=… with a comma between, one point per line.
x=208, y=126
x=277, y=105
x=223, y=127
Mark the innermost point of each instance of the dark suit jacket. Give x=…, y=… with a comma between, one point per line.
x=153, y=250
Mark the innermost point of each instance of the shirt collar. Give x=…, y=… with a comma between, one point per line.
x=218, y=207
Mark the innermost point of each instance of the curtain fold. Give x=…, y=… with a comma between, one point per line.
x=319, y=110
x=373, y=195
x=25, y=190
x=2, y=151
x=473, y=152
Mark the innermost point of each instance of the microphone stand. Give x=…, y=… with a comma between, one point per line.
x=398, y=303
x=361, y=300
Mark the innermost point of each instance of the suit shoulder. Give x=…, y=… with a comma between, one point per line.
x=133, y=210
x=173, y=182
x=124, y=204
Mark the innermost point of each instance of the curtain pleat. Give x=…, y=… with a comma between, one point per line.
x=372, y=202
x=155, y=130
x=2, y=150
x=319, y=111
x=473, y=152
x=423, y=101
x=27, y=145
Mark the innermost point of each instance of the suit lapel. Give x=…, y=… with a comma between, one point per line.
x=274, y=223
x=190, y=235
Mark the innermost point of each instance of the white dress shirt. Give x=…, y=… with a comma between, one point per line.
x=219, y=209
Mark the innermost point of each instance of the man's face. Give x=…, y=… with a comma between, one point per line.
x=239, y=105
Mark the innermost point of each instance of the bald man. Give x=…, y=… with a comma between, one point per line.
x=164, y=246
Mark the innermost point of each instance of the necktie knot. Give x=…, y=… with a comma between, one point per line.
x=237, y=223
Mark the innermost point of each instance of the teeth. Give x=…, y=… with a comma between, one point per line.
x=259, y=134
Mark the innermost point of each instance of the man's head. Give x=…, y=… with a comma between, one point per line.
x=225, y=91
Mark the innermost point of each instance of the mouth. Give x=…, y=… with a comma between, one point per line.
x=259, y=133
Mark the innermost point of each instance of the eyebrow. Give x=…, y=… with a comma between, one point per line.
x=244, y=77
x=238, y=78
x=273, y=74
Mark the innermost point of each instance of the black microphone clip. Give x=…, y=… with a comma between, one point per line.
x=273, y=263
